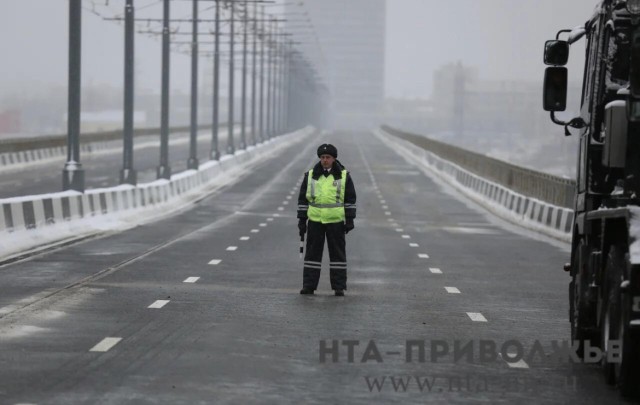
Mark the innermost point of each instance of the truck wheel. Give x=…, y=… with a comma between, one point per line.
x=628, y=369
x=610, y=311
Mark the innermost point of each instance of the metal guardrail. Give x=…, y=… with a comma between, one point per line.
x=542, y=186
x=53, y=141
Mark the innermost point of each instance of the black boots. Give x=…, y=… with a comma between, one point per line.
x=339, y=293
x=306, y=291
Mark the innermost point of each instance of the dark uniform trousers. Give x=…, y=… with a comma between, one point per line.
x=334, y=233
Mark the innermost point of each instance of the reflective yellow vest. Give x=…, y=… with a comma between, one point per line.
x=326, y=198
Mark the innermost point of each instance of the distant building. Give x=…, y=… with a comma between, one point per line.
x=10, y=122
x=352, y=41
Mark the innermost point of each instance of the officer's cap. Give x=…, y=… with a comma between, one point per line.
x=327, y=149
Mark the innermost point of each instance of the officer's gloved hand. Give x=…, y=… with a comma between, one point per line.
x=302, y=226
x=348, y=226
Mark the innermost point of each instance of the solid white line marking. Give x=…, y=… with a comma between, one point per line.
x=244, y=238
x=232, y=248
x=263, y=224
x=191, y=280
x=435, y=270
x=406, y=237
x=423, y=255
x=215, y=262
x=476, y=317
x=452, y=290
x=158, y=304
x=399, y=230
x=414, y=245
x=106, y=344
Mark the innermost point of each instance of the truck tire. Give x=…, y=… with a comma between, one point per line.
x=623, y=372
x=628, y=369
x=610, y=310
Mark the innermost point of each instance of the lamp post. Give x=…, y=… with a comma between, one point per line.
x=164, y=170
x=128, y=174
x=245, y=39
x=230, y=121
x=73, y=174
x=215, y=150
x=192, y=163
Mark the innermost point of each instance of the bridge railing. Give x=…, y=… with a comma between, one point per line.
x=55, y=141
x=552, y=189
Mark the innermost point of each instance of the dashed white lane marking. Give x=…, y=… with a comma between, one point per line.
x=395, y=225
x=452, y=290
x=215, y=262
x=289, y=197
x=105, y=344
x=391, y=220
x=263, y=224
x=191, y=280
x=414, y=245
x=514, y=364
x=383, y=201
x=406, y=237
x=255, y=230
x=244, y=238
x=280, y=208
x=476, y=317
x=423, y=255
x=158, y=304
x=269, y=219
x=435, y=270
x=385, y=207
x=399, y=230
x=276, y=215
x=232, y=248
x=387, y=213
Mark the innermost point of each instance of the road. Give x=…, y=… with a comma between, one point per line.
x=203, y=307
x=102, y=169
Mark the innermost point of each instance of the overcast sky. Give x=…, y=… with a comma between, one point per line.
x=502, y=38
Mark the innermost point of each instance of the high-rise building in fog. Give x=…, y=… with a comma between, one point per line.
x=350, y=56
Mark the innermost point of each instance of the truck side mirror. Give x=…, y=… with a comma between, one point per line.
x=555, y=89
x=634, y=74
x=556, y=53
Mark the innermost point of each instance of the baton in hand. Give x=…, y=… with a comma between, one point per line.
x=301, y=245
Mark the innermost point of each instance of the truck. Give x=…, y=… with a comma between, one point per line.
x=604, y=268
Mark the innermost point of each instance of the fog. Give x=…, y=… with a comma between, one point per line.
x=499, y=42
x=502, y=38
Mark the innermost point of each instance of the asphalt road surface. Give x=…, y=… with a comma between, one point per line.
x=102, y=169
x=203, y=307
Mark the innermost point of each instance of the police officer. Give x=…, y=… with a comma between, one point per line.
x=328, y=200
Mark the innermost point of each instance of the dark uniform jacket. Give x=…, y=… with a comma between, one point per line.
x=349, y=191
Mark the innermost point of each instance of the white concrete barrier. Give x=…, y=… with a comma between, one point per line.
x=519, y=209
x=33, y=221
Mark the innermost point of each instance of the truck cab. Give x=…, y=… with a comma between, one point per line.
x=604, y=290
